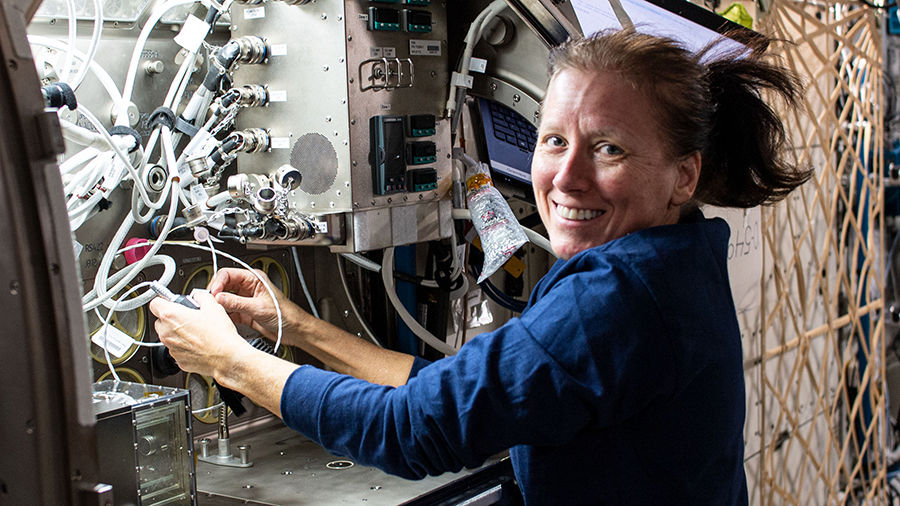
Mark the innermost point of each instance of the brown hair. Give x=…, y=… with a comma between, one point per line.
x=709, y=102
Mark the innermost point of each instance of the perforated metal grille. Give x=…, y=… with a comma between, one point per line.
x=315, y=158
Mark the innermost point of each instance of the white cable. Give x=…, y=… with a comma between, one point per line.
x=387, y=271
x=69, y=62
x=169, y=269
x=154, y=18
x=215, y=261
x=105, y=328
x=219, y=198
x=78, y=159
x=362, y=261
x=99, y=294
x=92, y=49
x=205, y=410
x=83, y=136
x=102, y=75
x=474, y=33
x=353, y=307
x=121, y=154
x=252, y=271
x=309, y=299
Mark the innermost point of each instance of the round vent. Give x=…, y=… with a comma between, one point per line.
x=315, y=158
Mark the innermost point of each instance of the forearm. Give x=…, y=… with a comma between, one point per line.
x=348, y=354
x=259, y=376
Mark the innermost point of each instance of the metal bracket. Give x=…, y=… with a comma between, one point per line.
x=386, y=74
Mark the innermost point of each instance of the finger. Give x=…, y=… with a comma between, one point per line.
x=223, y=281
x=202, y=297
x=235, y=303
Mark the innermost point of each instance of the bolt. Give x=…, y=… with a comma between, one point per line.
x=516, y=98
x=328, y=119
x=324, y=16
x=14, y=287
x=493, y=86
x=325, y=68
x=346, y=313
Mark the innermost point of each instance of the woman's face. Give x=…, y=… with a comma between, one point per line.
x=600, y=167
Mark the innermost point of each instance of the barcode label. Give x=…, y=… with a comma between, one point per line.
x=116, y=341
x=424, y=48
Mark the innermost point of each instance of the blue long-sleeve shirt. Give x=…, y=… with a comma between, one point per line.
x=622, y=383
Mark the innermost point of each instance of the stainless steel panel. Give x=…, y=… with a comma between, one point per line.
x=290, y=470
x=325, y=78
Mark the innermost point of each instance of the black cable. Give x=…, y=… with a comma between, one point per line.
x=497, y=295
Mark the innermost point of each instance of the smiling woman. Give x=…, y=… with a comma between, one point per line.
x=649, y=116
x=622, y=382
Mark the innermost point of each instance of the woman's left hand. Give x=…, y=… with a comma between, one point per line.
x=203, y=340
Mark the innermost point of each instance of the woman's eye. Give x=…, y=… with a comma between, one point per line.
x=611, y=149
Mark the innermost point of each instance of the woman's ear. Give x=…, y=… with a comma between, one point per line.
x=686, y=179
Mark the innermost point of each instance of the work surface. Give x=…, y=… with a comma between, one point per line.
x=290, y=470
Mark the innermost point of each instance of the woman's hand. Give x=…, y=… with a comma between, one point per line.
x=201, y=340
x=247, y=301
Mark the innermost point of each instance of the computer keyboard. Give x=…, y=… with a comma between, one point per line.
x=512, y=128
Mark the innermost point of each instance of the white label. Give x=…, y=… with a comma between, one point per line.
x=364, y=17
x=390, y=52
x=114, y=175
x=277, y=95
x=207, y=144
x=116, y=341
x=477, y=65
x=462, y=81
x=184, y=171
x=78, y=248
x=198, y=194
x=375, y=52
x=192, y=33
x=424, y=47
x=385, y=107
x=281, y=142
x=279, y=49
x=321, y=226
x=255, y=13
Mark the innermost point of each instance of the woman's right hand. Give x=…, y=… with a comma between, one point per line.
x=247, y=302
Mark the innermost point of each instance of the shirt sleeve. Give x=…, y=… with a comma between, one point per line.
x=533, y=381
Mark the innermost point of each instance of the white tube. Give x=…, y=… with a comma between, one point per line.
x=100, y=294
x=142, y=40
x=387, y=275
x=169, y=269
x=69, y=62
x=92, y=49
x=112, y=368
x=138, y=183
x=218, y=199
x=536, y=238
x=362, y=261
x=78, y=159
x=102, y=75
x=85, y=137
x=474, y=33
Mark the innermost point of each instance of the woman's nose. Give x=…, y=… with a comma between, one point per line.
x=574, y=173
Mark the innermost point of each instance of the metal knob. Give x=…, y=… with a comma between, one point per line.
x=244, y=452
x=204, y=447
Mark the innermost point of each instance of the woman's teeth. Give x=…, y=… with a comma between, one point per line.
x=575, y=214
